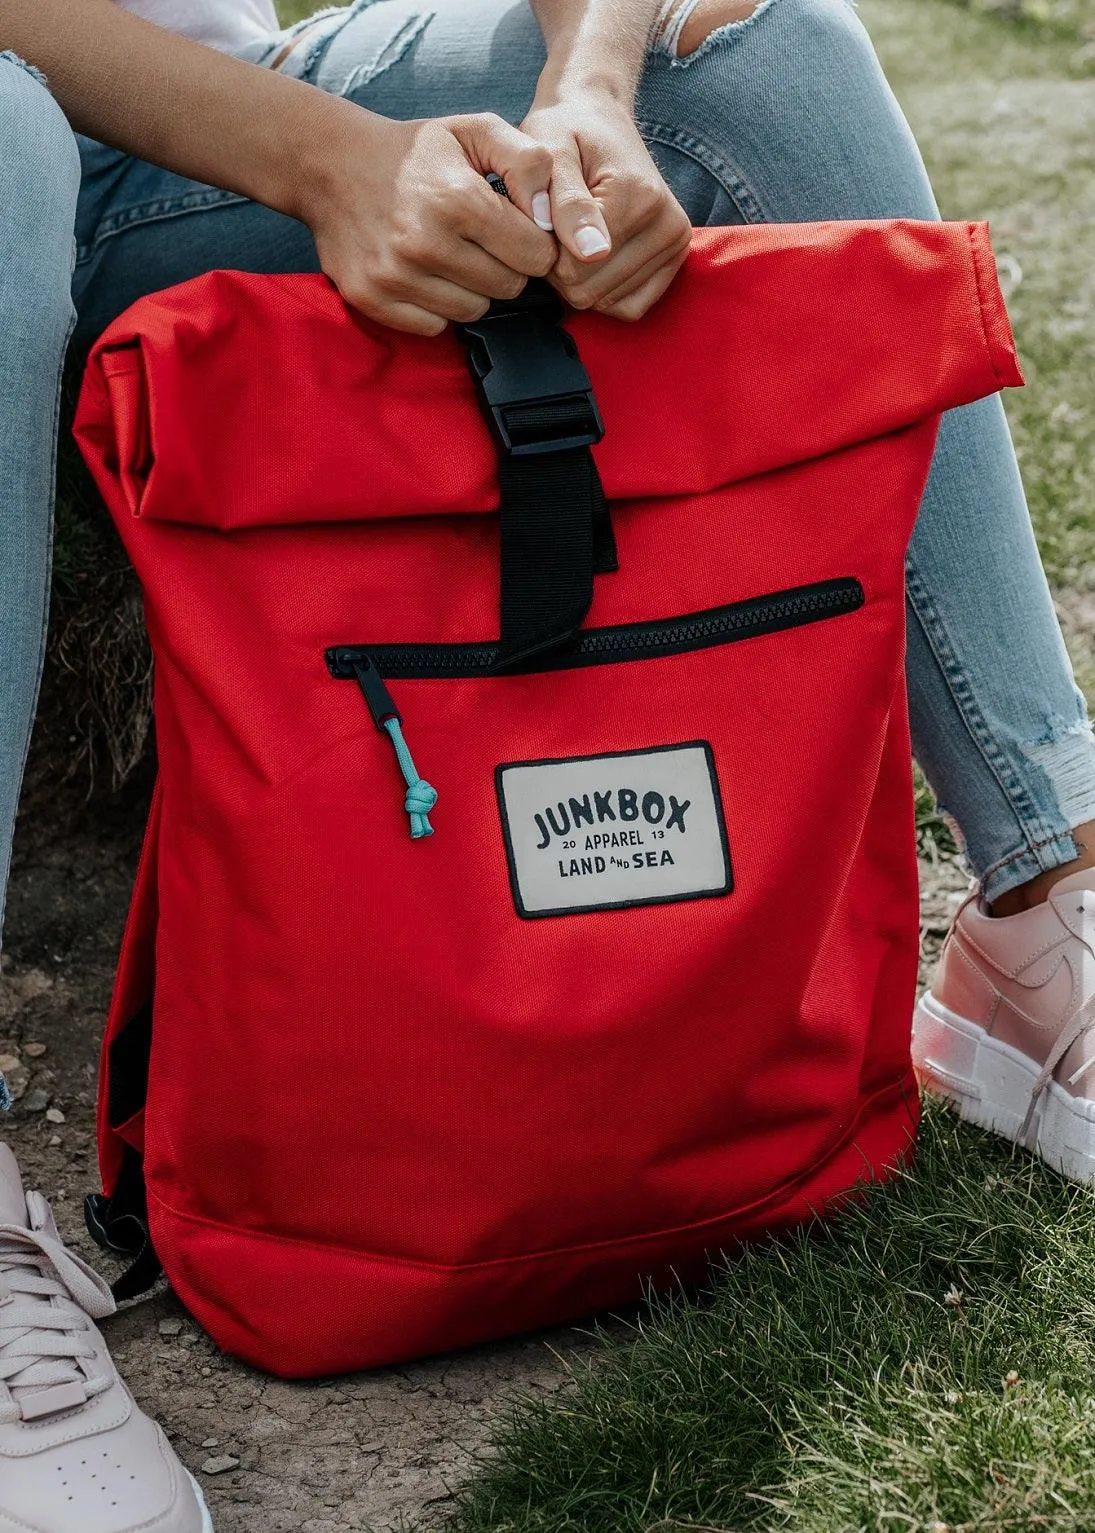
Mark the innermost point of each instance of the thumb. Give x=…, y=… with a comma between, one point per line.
x=495, y=146
x=579, y=224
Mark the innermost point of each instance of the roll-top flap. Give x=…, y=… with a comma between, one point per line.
x=237, y=400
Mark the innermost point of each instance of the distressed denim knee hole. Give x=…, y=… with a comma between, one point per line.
x=7, y=57
x=1067, y=757
x=672, y=25
x=357, y=44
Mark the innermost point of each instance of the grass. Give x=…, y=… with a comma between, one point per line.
x=924, y=1364
x=927, y=1364
x=1067, y=18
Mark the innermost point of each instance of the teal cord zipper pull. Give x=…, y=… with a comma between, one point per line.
x=421, y=797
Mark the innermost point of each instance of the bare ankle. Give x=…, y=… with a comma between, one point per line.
x=1036, y=890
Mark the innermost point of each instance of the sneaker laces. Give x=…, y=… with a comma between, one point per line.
x=1081, y=1022
x=44, y=1341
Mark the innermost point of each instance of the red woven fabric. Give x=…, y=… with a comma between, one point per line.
x=387, y=1115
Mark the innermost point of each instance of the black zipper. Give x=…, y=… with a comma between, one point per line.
x=607, y=646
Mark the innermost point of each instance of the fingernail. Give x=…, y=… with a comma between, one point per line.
x=591, y=242
x=541, y=211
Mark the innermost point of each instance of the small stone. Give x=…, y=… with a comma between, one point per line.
x=36, y=1101
x=34, y=1050
x=55, y=1140
x=55, y=1115
x=18, y=1080
x=8, y=1063
x=170, y=1327
x=221, y=1464
x=211, y=1442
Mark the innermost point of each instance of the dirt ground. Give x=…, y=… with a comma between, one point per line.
x=361, y=1452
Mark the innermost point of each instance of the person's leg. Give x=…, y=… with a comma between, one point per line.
x=39, y=179
x=1007, y=1030
x=52, y=1359
x=140, y=229
x=789, y=114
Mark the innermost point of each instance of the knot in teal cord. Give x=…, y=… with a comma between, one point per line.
x=421, y=797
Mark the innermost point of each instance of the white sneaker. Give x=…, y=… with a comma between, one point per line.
x=76, y=1455
x=1007, y=1031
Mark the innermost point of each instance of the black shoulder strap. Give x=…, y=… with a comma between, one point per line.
x=555, y=525
x=119, y=1223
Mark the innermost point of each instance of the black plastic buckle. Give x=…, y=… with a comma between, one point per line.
x=537, y=394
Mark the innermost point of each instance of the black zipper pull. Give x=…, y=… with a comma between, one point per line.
x=420, y=797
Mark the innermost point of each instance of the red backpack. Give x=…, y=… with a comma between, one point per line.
x=396, y=1065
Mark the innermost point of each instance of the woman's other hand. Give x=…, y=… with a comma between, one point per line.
x=408, y=228
x=622, y=234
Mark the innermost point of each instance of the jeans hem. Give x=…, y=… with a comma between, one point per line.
x=1027, y=862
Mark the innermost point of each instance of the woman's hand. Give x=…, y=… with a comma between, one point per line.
x=405, y=224
x=622, y=233
x=407, y=227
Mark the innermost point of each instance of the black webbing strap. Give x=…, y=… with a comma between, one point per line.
x=119, y=1223
x=549, y=522
x=128, y=1056
x=552, y=420
x=555, y=526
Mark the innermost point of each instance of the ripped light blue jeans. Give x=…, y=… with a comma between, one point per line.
x=784, y=117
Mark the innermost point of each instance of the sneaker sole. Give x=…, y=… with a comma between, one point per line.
x=990, y=1083
x=207, y=1521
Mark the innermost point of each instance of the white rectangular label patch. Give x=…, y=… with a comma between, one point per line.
x=603, y=832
